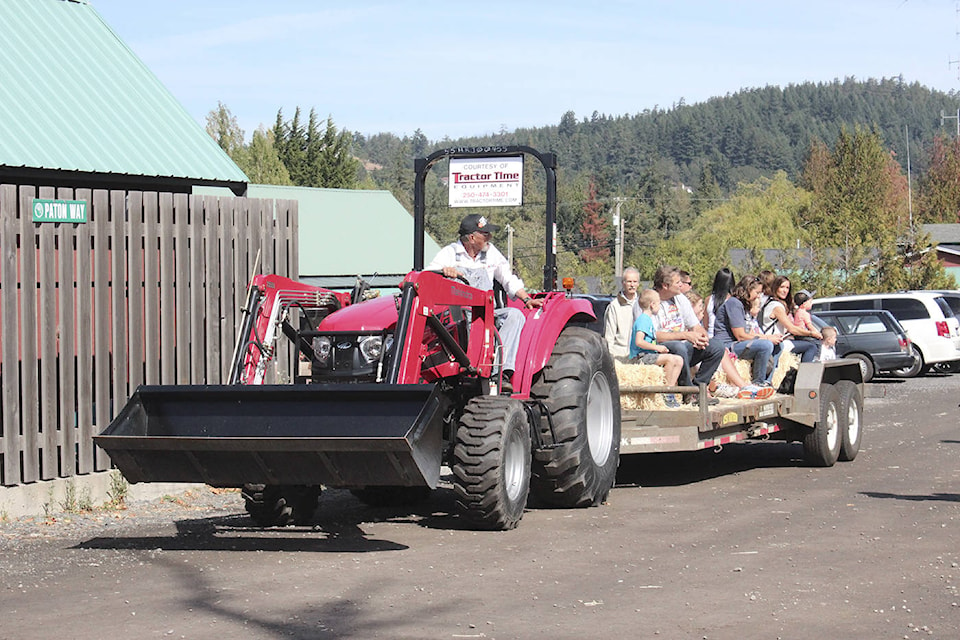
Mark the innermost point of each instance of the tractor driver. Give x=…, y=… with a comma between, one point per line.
x=474, y=258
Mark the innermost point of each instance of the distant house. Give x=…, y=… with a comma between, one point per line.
x=947, y=237
x=78, y=109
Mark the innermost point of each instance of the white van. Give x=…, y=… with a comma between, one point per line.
x=926, y=317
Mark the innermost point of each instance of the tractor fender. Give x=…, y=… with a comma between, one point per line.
x=540, y=333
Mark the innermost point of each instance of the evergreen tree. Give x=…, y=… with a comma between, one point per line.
x=938, y=199
x=315, y=158
x=260, y=161
x=295, y=151
x=860, y=211
x=708, y=194
x=336, y=167
x=280, y=137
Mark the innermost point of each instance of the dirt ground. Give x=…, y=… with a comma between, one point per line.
x=745, y=543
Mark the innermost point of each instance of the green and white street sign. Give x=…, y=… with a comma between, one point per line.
x=59, y=210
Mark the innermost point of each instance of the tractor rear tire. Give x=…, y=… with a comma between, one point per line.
x=821, y=446
x=391, y=496
x=491, y=467
x=280, y=506
x=578, y=387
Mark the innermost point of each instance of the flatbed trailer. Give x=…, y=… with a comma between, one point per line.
x=823, y=412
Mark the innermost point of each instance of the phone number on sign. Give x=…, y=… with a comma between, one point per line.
x=471, y=195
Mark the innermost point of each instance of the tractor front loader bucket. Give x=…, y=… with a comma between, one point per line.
x=344, y=435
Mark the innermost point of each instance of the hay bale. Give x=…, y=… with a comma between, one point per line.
x=640, y=375
x=788, y=360
x=743, y=368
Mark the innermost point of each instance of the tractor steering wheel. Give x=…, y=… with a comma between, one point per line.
x=458, y=277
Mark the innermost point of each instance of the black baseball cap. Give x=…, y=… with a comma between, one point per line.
x=477, y=222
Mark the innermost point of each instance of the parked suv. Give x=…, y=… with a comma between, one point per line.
x=953, y=299
x=874, y=338
x=926, y=316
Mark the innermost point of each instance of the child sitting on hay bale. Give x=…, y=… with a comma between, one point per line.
x=644, y=348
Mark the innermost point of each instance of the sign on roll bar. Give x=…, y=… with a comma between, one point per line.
x=549, y=162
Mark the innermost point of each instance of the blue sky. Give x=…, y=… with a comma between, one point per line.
x=471, y=68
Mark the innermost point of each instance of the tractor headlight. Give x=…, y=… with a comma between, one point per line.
x=371, y=347
x=321, y=349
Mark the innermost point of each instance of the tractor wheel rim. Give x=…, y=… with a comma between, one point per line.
x=599, y=419
x=514, y=464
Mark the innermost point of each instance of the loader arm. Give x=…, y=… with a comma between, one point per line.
x=425, y=295
x=269, y=302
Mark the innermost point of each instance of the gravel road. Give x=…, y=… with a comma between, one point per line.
x=747, y=542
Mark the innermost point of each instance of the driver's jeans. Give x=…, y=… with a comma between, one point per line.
x=509, y=322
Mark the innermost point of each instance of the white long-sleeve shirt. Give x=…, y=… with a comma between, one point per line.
x=489, y=263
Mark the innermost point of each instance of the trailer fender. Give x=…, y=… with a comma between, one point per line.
x=810, y=377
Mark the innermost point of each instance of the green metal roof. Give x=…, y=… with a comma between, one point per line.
x=346, y=232
x=74, y=97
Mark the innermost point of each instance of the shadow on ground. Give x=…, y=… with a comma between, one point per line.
x=936, y=497
x=337, y=526
x=688, y=467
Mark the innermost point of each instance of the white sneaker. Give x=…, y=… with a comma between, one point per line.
x=724, y=390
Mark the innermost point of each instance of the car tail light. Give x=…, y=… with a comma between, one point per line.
x=904, y=344
x=942, y=329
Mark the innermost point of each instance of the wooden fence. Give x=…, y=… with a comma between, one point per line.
x=147, y=291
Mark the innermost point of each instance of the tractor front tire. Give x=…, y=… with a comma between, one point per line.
x=578, y=387
x=491, y=468
x=280, y=506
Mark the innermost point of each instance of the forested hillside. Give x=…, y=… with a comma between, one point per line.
x=740, y=136
x=778, y=164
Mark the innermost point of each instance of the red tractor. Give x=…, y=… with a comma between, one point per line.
x=392, y=389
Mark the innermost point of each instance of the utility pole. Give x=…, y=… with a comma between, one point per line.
x=510, y=246
x=946, y=117
x=906, y=135
x=618, y=244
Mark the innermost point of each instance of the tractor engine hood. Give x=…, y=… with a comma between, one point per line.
x=373, y=315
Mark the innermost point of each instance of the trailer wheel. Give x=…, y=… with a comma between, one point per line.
x=578, y=387
x=280, y=506
x=391, y=496
x=491, y=466
x=851, y=419
x=821, y=447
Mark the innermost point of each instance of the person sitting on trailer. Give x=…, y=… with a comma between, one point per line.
x=733, y=330
x=645, y=350
x=679, y=330
x=474, y=258
x=618, y=318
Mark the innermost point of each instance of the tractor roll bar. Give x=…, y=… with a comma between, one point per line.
x=549, y=162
